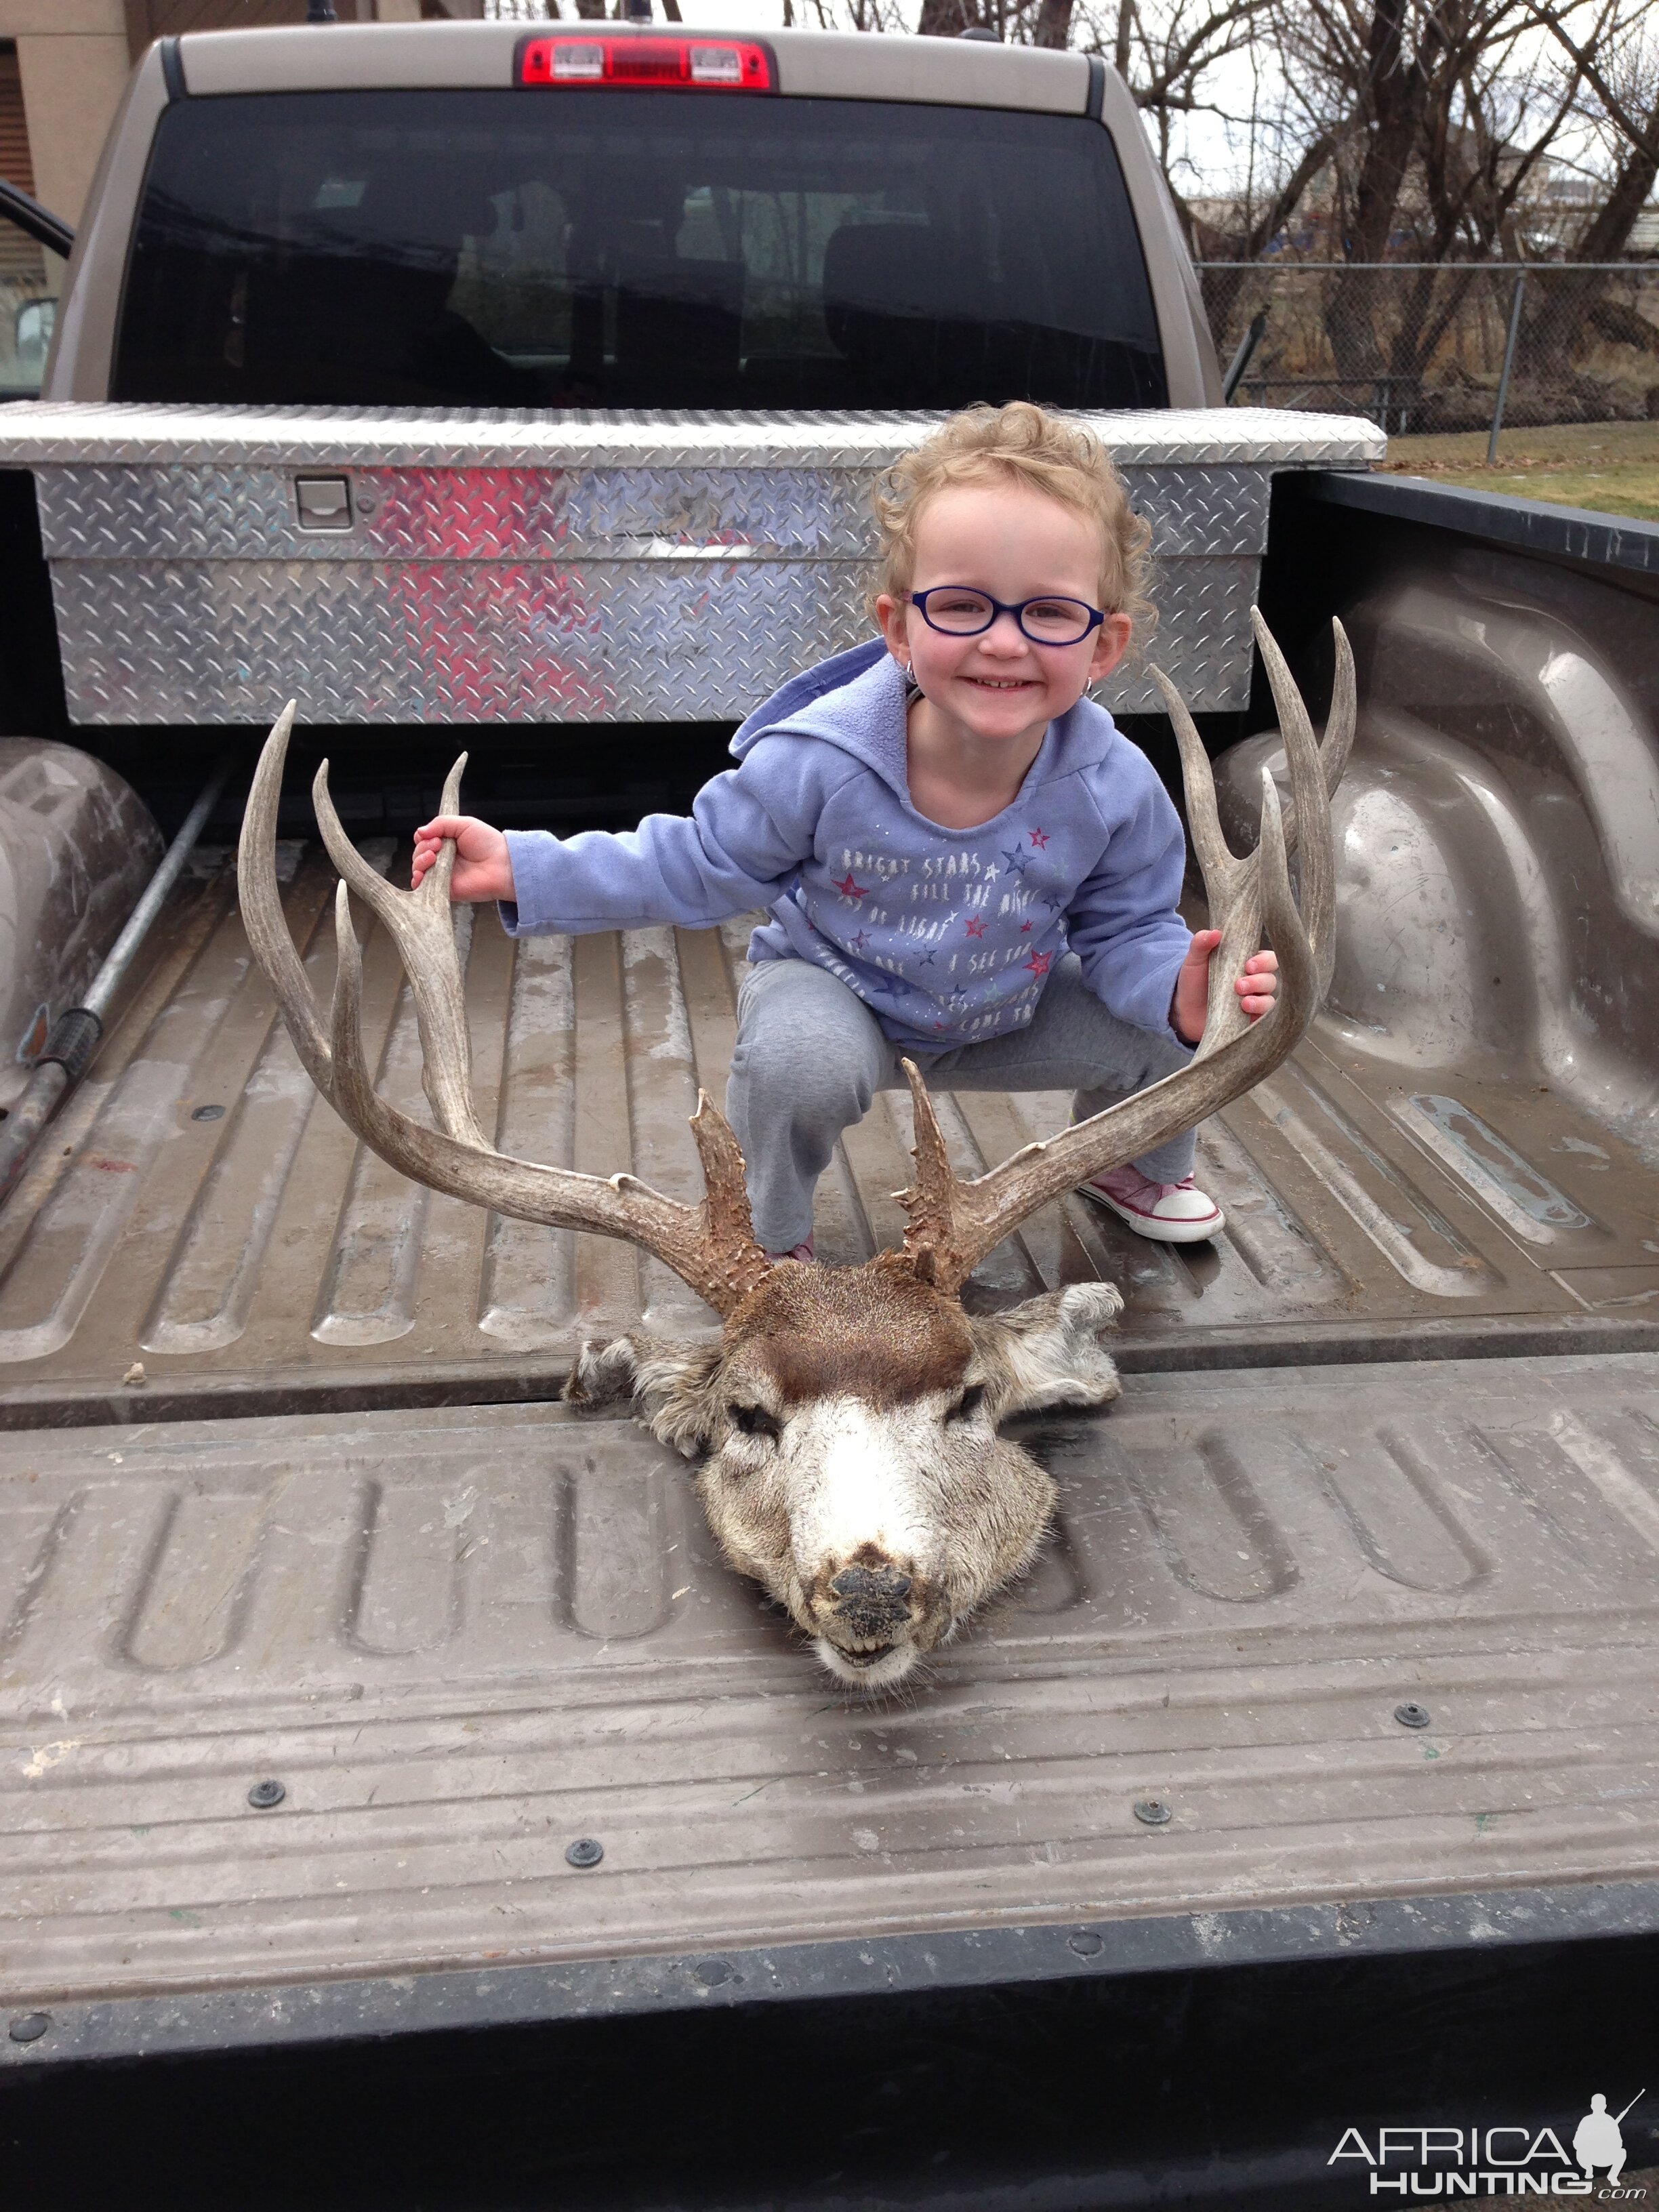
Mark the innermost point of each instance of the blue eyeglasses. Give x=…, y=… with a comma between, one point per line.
x=959, y=610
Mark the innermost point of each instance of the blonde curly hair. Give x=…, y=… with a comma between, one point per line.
x=1020, y=444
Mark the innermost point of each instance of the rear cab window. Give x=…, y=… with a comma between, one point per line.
x=559, y=247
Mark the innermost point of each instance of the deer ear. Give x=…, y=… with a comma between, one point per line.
x=672, y=1385
x=1046, y=1353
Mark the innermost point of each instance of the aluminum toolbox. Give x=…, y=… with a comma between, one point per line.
x=478, y=566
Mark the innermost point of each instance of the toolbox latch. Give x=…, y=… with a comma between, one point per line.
x=324, y=502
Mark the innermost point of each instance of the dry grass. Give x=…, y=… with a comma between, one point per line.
x=1612, y=467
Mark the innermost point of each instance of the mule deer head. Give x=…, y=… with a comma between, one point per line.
x=846, y=1420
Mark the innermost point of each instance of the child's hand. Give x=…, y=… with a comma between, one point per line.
x=1257, y=986
x=483, y=868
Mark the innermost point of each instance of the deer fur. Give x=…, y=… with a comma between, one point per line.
x=848, y=1420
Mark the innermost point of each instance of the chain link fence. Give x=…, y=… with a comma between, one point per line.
x=1422, y=346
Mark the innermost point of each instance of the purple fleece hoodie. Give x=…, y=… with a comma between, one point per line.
x=946, y=934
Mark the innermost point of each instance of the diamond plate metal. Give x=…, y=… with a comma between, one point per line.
x=1203, y=642
x=219, y=511
x=455, y=642
x=570, y=587
x=1214, y=508
x=38, y=431
x=487, y=641
x=204, y=512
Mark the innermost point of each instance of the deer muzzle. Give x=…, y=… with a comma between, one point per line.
x=871, y=1602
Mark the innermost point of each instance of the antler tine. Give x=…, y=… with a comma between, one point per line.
x=1343, y=719
x=434, y=887
x=1317, y=863
x=1321, y=776
x=930, y=1233
x=424, y=931
x=1340, y=726
x=262, y=905
x=1290, y=932
x=728, y=1226
x=1230, y=883
x=722, y=1272
x=953, y=1224
x=1217, y=860
x=710, y=1246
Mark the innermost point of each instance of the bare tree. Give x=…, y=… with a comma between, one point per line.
x=1396, y=129
x=1614, y=56
x=1611, y=56
x=1424, y=122
x=948, y=19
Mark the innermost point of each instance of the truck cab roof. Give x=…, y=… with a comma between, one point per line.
x=1036, y=255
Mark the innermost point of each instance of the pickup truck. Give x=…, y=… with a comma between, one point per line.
x=401, y=1804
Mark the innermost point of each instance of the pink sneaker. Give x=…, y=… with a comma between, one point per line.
x=801, y=1252
x=1167, y=1212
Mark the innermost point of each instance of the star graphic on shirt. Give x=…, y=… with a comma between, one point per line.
x=860, y=941
x=1039, y=838
x=1023, y=927
x=1039, y=962
x=1055, y=899
x=927, y=959
x=1017, y=861
x=849, y=889
x=975, y=927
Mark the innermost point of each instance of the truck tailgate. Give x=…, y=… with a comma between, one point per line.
x=1372, y=1633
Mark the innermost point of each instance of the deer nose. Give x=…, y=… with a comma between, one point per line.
x=871, y=1599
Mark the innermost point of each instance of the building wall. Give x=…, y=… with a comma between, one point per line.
x=73, y=58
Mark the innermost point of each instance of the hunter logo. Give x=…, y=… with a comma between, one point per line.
x=1513, y=2161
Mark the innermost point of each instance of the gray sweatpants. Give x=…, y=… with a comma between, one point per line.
x=810, y=1056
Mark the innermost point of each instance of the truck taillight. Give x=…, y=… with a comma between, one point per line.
x=635, y=61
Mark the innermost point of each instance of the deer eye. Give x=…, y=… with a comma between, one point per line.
x=754, y=1421
x=969, y=1404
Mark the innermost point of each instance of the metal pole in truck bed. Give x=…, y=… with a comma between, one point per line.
x=78, y=1031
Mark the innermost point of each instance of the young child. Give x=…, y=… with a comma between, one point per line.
x=963, y=860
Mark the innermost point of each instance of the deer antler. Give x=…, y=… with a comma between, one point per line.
x=711, y=1246
x=1232, y=883
x=952, y=1223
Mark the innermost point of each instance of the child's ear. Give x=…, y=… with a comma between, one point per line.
x=1111, y=643
x=890, y=614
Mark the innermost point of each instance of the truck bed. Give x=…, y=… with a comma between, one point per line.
x=255, y=1259
x=1371, y=1617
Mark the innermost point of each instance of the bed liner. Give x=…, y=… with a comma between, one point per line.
x=203, y=1216
x=463, y=1643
